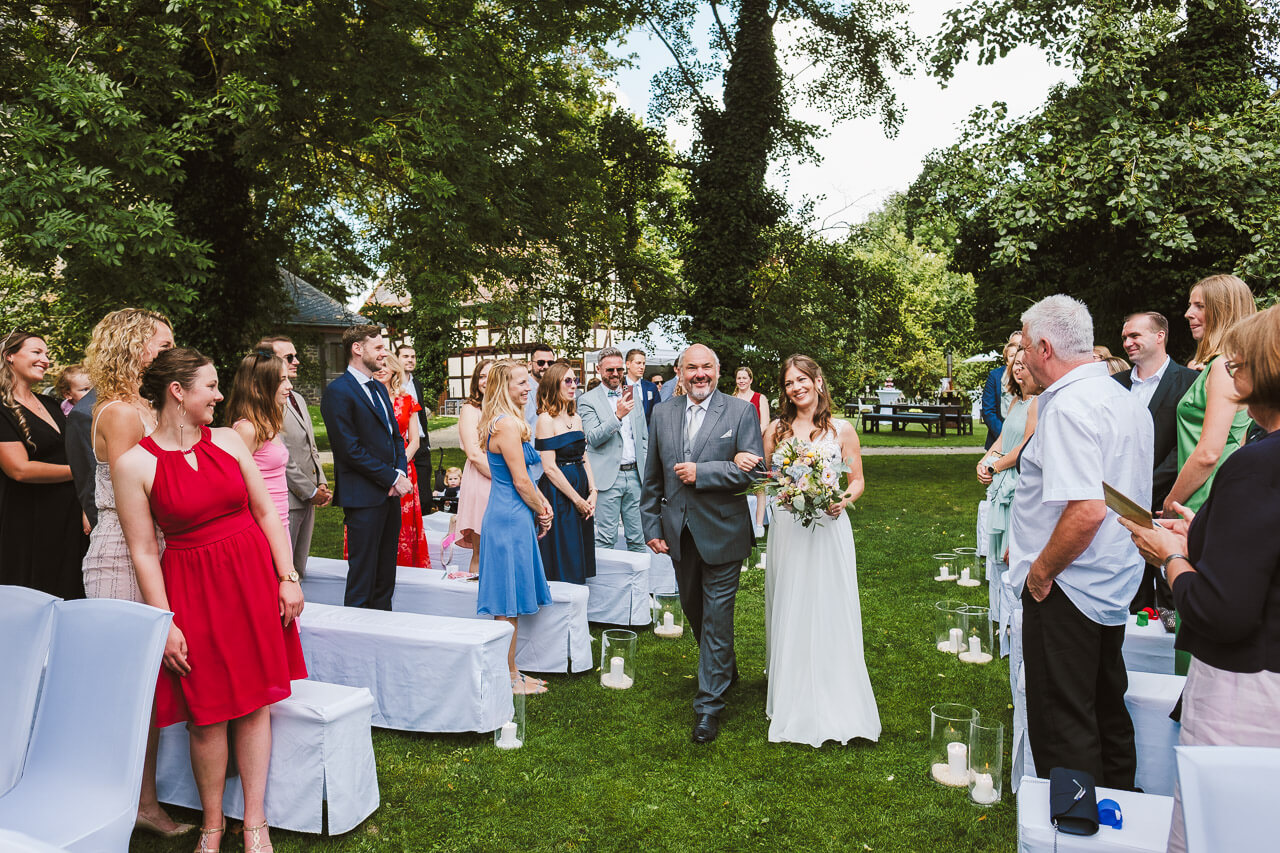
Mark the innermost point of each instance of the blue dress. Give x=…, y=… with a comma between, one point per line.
x=512, y=582
x=569, y=548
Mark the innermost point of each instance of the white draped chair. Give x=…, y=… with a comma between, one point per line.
x=620, y=589
x=1146, y=823
x=26, y=621
x=1229, y=797
x=1148, y=648
x=1149, y=700
x=17, y=842
x=79, y=789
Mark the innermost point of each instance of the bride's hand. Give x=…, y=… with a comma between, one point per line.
x=838, y=507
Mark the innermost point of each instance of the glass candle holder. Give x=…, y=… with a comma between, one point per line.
x=945, y=566
x=969, y=566
x=978, y=636
x=986, y=762
x=948, y=626
x=668, y=618
x=618, y=658
x=949, y=726
x=511, y=734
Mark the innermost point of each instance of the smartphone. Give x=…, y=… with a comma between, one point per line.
x=628, y=392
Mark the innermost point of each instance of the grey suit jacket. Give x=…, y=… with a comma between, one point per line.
x=84, y=466
x=604, y=435
x=304, y=473
x=713, y=508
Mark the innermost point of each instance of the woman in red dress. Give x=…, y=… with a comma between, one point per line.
x=227, y=575
x=412, y=550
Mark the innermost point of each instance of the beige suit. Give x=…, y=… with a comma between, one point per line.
x=304, y=474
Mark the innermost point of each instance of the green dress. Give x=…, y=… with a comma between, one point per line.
x=1003, y=483
x=1191, y=422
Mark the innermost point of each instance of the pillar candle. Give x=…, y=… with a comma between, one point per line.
x=975, y=646
x=957, y=640
x=957, y=760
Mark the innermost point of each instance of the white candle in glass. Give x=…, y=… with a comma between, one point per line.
x=944, y=571
x=957, y=760
x=668, y=620
x=616, y=667
x=975, y=646
x=507, y=739
x=964, y=574
x=984, y=789
x=957, y=640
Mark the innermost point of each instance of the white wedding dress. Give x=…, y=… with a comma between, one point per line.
x=819, y=689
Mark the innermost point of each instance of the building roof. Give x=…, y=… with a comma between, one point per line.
x=311, y=307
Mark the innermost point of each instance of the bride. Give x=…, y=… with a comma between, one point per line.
x=819, y=689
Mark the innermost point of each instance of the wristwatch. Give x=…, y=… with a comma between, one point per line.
x=1164, y=567
x=291, y=576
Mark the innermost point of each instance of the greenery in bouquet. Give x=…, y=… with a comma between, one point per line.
x=806, y=478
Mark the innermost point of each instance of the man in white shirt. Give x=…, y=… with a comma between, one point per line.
x=617, y=439
x=1158, y=383
x=1079, y=567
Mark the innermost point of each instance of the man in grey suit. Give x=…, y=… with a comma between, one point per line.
x=617, y=439
x=308, y=487
x=693, y=509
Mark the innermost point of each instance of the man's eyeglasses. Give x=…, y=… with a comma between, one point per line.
x=612, y=369
x=291, y=357
x=1232, y=367
x=544, y=362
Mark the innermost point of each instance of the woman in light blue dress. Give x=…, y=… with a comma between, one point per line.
x=998, y=469
x=512, y=580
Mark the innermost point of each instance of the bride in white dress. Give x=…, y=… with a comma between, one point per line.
x=819, y=689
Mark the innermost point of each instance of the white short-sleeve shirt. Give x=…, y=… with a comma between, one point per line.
x=1089, y=428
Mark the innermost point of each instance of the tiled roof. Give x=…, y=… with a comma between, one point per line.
x=314, y=308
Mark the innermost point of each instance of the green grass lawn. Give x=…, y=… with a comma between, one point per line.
x=914, y=435
x=616, y=771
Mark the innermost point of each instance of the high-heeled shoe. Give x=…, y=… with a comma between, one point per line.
x=145, y=823
x=202, y=846
x=257, y=846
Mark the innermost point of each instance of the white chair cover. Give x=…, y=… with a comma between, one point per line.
x=79, y=789
x=1146, y=823
x=426, y=673
x=1147, y=649
x=16, y=842
x=984, y=539
x=437, y=522
x=1020, y=761
x=1150, y=698
x=1229, y=797
x=26, y=622
x=457, y=555
x=555, y=639
x=321, y=751
x=620, y=589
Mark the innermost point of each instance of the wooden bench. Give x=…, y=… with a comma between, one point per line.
x=898, y=421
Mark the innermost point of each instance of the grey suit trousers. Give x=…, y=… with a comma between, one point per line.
x=707, y=595
x=302, y=523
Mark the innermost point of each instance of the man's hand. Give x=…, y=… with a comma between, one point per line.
x=687, y=472
x=400, y=487
x=657, y=546
x=625, y=406
x=1038, y=586
x=322, y=497
x=746, y=461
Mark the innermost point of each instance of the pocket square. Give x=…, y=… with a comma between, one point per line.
x=728, y=434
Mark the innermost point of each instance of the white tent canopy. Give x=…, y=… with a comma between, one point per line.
x=660, y=342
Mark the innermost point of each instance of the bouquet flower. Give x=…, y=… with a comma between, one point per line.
x=806, y=478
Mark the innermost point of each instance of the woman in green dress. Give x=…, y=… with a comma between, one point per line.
x=1211, y=425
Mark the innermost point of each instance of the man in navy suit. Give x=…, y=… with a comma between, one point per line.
x=1160, y=383
x=643, y=390
x=369, y=468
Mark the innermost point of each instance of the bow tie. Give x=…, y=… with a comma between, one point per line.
x=614, y=393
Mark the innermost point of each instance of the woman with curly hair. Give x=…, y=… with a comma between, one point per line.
x=41, y=534
x=121, y=346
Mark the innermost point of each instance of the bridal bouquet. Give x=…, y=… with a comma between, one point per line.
x=806, y=478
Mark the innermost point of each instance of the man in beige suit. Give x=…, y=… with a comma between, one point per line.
x=308, y=487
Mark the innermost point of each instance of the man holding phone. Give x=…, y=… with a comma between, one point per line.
x=617, y=440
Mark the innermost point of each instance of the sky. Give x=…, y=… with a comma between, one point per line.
x=860, y=168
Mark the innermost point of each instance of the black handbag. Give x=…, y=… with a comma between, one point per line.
x=440, y=471
x=1073, y=801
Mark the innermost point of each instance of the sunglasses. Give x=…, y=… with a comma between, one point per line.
x=613, y=370
x=569, y=380
x=544, y=362
x=292, y=357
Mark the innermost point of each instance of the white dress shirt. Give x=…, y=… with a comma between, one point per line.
x=1145, y=389
x=1088, y=429
x=628, y=439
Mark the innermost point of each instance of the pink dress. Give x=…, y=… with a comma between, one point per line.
x=473, y=500
x=271, y=459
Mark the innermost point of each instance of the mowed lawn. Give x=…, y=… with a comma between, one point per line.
x=611, y=770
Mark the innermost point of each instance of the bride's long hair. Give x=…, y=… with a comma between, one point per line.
x=787, y=409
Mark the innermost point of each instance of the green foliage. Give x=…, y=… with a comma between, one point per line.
x=1158, y=167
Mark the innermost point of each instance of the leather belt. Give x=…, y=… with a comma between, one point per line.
x=627, y=466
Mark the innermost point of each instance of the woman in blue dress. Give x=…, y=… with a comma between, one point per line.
x=568, y=550
x=512, y=582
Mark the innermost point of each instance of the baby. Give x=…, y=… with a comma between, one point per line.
x=73, y=383
x=452, y=480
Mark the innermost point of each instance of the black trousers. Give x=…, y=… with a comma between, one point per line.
x=426, y=480
x=373, y=535
x=1076, y=682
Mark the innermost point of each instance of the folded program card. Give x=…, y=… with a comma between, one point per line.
x=1125, y=507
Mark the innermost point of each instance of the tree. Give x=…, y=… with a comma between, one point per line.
x=1156, y=168
x=850, y=51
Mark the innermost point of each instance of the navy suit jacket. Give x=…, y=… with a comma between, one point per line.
x=991, y=406
x=1164, y=415
x=366, y=453
x=649, y=396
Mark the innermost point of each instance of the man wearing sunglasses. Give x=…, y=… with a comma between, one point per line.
x=540, y=359
x=617, y=439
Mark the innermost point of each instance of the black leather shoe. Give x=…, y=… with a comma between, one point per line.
x=705, y=728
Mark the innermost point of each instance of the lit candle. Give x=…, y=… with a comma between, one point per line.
x=668, y=620
x=984, y=789
x=945, y=571
x=760, y=565
x=957, y=640
x=507, y=738
x=957, y=761
x=975, y=646
x=964, y=574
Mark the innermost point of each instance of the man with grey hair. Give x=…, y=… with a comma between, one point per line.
x=694, y=509
x=617, y=437
x=1077, y=567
